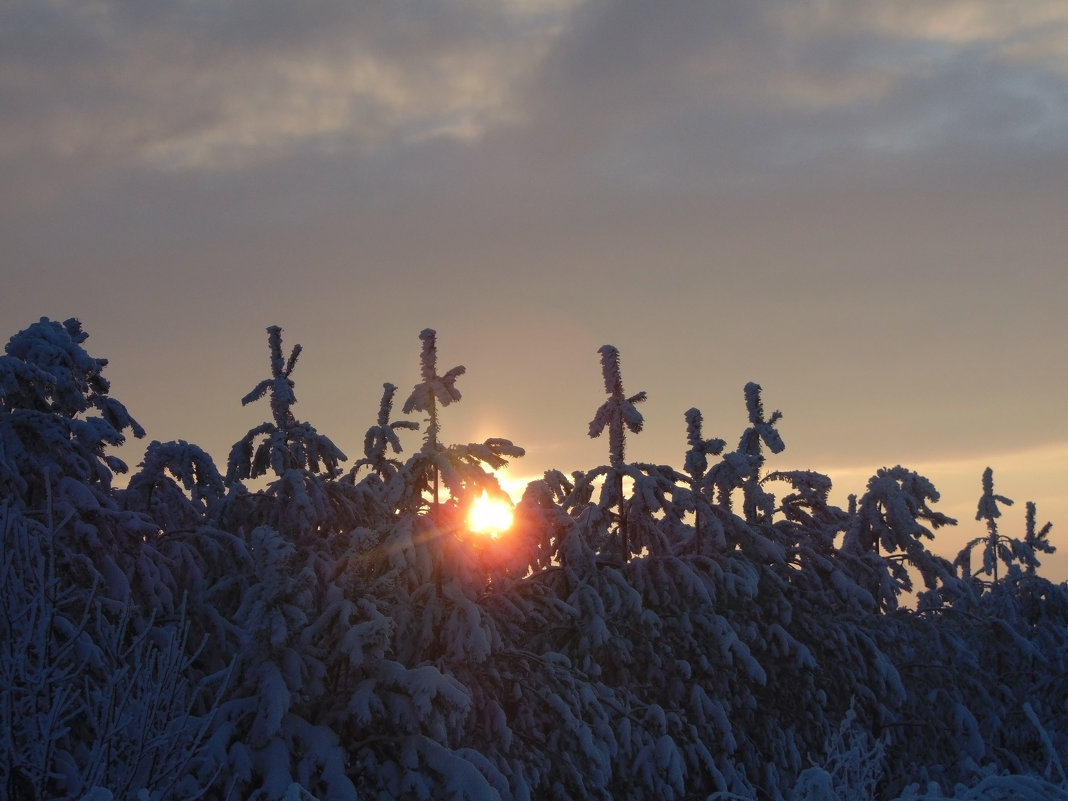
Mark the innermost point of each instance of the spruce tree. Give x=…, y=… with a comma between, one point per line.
x=287, y=443
x=433, y=390
x=740, y=469
x=618, y=414
x=177, y=484
x=460, y=468
x=1037, y=539
x=57, y=417
x=995, y=546
x=887, y=532
x=382, y=438
x=696, y=467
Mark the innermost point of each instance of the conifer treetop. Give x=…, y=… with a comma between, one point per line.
x=760, y=430
x=49, y=386
x=700, y=448
x=997, y=547
x=988, y=502
x=382, y=438
x=618, y=412
x=279, y=384
x=434, y=388
x=48, y=370
x=1036, y=538
x=287, y=443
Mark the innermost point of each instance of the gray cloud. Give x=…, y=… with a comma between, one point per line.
x=768, y=85
x=227, y=85
x=660, y=86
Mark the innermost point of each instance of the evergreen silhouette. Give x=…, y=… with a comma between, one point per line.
x=343, y=636
x=426, y=396
x=618, y=414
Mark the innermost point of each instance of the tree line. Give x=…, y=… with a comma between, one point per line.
x=715, y=630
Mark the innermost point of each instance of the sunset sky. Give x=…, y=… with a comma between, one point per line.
x=862, y=206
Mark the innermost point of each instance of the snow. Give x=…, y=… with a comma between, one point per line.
x=339, y=636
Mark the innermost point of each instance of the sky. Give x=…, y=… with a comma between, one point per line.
x=858, y=205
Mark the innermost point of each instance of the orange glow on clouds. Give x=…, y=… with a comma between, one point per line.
x=489, y=515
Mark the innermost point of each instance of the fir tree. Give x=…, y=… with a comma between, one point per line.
x=303, y=500
x=811, y=523
x=696, y=467
x=382, y=438
x=1037, y=539
x=460, y=468
x=54, y=460
x=995, y=546
x=287, y=442
x=434, y=389
x=386, y=481
x=618, y=414
x=177, y=485
x=49, y=385
x=741, y=468
x=886, y=534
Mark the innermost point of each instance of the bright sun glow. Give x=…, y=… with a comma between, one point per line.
x=489, y=515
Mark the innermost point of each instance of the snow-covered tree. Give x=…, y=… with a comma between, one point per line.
x=997, y=547
x=433, y=390
x=632, y=520
x=97, y=690
x=381, y=439
x=696, y=468
x=741, y=468
x=286, y=443
x=618, y=414
x=303, y=500
x=177, y=485
x=50, y=388
x=55, y=465
x=328, y=638
x=436, y=546
x=1037, y=539
x=887, y=534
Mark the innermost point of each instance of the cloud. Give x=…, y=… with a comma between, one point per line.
x=227, y=85
x=664, y=92
x=683, y=90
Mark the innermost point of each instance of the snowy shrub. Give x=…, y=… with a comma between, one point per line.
x=89, y=701
x=851, y=767
x=991, y=787
x=177, y=483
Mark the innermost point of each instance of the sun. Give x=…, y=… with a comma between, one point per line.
x=489, y=515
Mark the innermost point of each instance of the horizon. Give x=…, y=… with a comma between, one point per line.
x=1027, y=474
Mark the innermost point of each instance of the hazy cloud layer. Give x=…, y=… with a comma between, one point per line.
x=210, y=85
x=227, y=85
